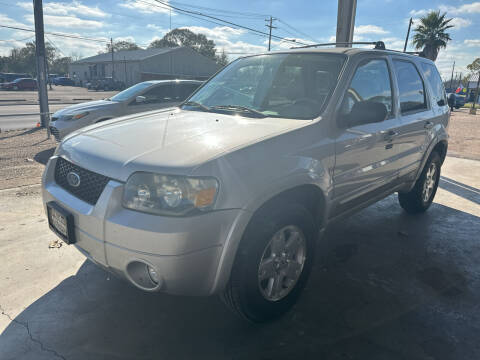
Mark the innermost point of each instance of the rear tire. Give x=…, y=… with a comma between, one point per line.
x=273, y=263
x=420, y=198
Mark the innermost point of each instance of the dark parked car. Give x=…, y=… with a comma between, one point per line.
x=64, y=81
x=9, y=77
x=21, y=84
x=459, y=101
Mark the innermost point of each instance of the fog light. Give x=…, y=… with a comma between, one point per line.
x=153, y=274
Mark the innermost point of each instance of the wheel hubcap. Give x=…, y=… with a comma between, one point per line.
x=429, y=183
x=282, y=263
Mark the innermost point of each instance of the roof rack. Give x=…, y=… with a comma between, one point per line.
x=379, y=45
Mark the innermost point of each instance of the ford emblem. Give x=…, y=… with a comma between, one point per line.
x=73, y=179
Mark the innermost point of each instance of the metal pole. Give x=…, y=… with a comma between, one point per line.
x=125, y=63
x=270, y=27
x=451, y=79
x=113, y=64
x=40, y=60
x=408, y=34
x=345, y=21
x=473, y=111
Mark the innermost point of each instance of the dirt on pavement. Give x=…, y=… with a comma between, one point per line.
x=23, y=154
x=464, y=133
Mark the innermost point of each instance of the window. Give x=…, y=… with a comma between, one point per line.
x=371, y=82
x=184, y=90
x=294, y=86
x=435, y=81
x=410, y=86
x=159, y=94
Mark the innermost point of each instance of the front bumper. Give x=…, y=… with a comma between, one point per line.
x=189, y=254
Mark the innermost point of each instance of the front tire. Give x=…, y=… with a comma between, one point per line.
x=421, y=196
x=273, y=263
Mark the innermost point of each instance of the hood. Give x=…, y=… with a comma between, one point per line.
x=171, y=141
x=87, y=106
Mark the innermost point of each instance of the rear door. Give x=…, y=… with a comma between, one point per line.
x=366, y=154
x=415, y=115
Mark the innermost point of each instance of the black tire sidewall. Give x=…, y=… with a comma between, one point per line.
x=434, y=158
x=256, y=239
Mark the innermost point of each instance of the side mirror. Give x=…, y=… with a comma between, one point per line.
x=365, y=112
x=140, y=99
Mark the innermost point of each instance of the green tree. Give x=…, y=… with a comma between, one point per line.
x=222, y=59
x=185, y=37
x=122, y=45
x=431, y=34
x=474, y=66
x=60, y=65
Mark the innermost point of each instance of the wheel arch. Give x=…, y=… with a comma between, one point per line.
x=310, y=195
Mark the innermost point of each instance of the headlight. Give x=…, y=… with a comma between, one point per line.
x=169, y=195
x=75, y=117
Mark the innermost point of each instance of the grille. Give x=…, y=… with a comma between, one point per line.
x=91, y=184
x=54, y=131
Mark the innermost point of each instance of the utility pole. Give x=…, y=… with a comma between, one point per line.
x=451, y=79
x=40, y=55
x=113, y=64
x=270, y=27
x=473, y=111
x=408, y=34
x=345, y=21
x=170, y=19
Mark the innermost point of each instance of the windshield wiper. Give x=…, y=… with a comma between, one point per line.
x=241, y=108
x=196, y=104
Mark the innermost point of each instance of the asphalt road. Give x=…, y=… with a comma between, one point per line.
x=18, y=119
x=386, y=285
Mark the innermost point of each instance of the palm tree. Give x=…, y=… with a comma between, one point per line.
x=430, y=34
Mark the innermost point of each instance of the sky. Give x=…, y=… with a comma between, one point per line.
x=304, y=21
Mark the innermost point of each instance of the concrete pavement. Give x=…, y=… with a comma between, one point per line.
x=386, y=285
x=23, y=116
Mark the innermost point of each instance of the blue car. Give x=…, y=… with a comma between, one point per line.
x=64, y=81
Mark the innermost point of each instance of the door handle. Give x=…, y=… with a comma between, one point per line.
x=428, y=125
x=390, y=135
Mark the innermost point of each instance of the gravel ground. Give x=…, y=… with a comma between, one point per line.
x=24, y=152
x=22, y=156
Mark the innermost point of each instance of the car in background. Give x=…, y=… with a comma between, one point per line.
x=63, y=81
x=106, y=84
x=144, y=96
x=460, y=101
x=9, y=77
x=21, y=84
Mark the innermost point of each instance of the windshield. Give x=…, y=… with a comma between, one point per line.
x=131, y=91
x=279, y=85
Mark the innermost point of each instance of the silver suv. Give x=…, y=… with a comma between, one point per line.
x=228, y=193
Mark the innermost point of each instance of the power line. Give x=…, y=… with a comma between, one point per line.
x=297, y=31
x=167, y=5
x=71, y=36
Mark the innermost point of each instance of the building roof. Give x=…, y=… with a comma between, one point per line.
x=128, y=55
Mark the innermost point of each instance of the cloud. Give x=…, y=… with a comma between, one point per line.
x=459, y=23
x=67, y=22
x=225, y=39
x=472, y=43
x=465, y=9
x=146, y=7
x=5, y=20
x=419, y=13
x=369, y=29
x=157, y=29
x=75, y=7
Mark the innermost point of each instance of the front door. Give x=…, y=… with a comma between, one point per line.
x=366, y=154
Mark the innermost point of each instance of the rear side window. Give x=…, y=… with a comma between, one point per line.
x=433, y=78
x=410, y=86
x=371, y=82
